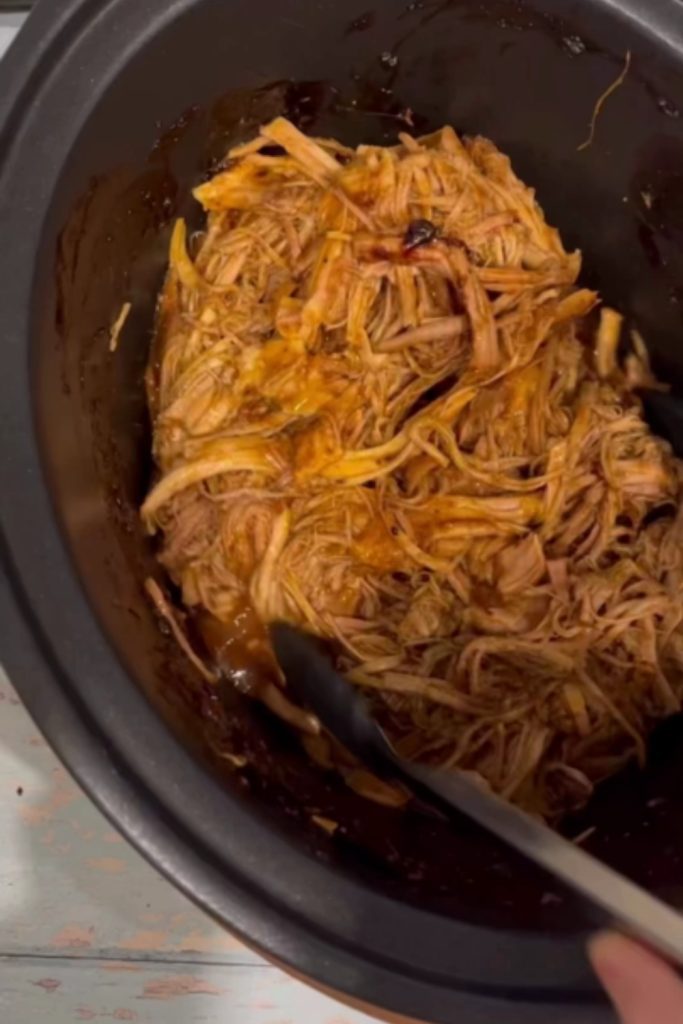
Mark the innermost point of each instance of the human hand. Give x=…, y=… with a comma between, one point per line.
x=643, y=988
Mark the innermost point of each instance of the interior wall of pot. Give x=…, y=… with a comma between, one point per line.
x=362, y=72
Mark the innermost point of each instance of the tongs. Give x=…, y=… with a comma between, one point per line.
x=343, y=712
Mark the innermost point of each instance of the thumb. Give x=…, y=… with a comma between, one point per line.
x=644, y=989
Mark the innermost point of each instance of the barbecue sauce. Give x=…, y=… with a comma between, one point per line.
x=241, y=652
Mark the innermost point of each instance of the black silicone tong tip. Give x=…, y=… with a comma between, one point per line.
x=314, y=682
x=664, y=413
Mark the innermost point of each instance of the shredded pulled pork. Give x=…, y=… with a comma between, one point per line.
x=382, y=411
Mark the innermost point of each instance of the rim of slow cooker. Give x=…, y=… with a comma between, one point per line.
x=113, y=750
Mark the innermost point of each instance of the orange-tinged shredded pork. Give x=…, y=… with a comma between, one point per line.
x=416, y=451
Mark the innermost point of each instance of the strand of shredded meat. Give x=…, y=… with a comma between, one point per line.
x=425, y=452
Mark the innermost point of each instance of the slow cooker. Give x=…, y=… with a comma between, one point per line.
x=110, y=112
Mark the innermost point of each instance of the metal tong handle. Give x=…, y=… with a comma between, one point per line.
x=628, y=905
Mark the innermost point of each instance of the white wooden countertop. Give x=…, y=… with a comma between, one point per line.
x=88, y=930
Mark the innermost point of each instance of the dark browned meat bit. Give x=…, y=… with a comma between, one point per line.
x=419, y=232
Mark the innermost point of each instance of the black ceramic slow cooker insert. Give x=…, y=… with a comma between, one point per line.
x=110, y=111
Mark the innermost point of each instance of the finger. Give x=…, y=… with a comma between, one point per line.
x=644, y=989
